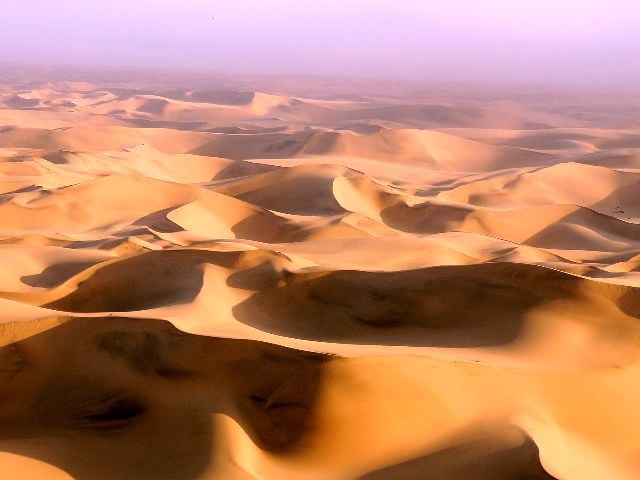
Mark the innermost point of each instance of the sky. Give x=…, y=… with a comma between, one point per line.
x=586, y=42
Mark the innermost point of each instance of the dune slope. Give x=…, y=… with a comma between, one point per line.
x=267, y=281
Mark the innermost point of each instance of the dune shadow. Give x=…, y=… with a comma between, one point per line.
x=242, y=168
x=223, y=97
x=57, y=274
x=185, y=126
x=159, y=221
x=478, y=460
x=583, y=230
x=450, y=306
x=121, y=398
x=268, y=228
x=629, y=302
x=7, y=197
x=144, y=281
x=255, y=146
x=426, y=218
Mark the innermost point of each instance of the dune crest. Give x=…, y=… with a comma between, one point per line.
x=328, y=281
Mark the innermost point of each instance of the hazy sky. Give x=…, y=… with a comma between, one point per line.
x=559, y=41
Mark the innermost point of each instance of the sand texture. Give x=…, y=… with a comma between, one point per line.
x=309, y=279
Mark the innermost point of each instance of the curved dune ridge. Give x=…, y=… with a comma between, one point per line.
x=275, y=281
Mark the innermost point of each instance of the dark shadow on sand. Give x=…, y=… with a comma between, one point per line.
x=121, y=398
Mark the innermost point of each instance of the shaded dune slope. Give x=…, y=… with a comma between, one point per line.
x=252, y=280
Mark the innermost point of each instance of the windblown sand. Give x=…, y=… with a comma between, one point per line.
x=323, y=281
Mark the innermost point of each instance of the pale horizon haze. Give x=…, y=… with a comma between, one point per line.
x=584, y=43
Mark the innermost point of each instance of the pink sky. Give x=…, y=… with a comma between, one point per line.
x=556, y=41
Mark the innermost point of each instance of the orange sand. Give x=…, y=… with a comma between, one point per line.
x=297, y=283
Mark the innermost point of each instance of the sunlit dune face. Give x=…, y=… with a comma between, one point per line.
x=139, y=397
x=215, y=278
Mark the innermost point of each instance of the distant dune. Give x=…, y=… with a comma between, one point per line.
x=323, y=281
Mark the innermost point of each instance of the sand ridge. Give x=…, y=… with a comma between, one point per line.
x=276, y=280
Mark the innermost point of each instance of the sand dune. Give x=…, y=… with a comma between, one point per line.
x=268, y=279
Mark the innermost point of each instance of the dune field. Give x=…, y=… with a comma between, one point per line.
x=323, y=279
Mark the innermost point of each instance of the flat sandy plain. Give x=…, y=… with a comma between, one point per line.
x=206, y=277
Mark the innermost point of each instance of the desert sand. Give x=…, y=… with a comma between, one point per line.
x=252, y=278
